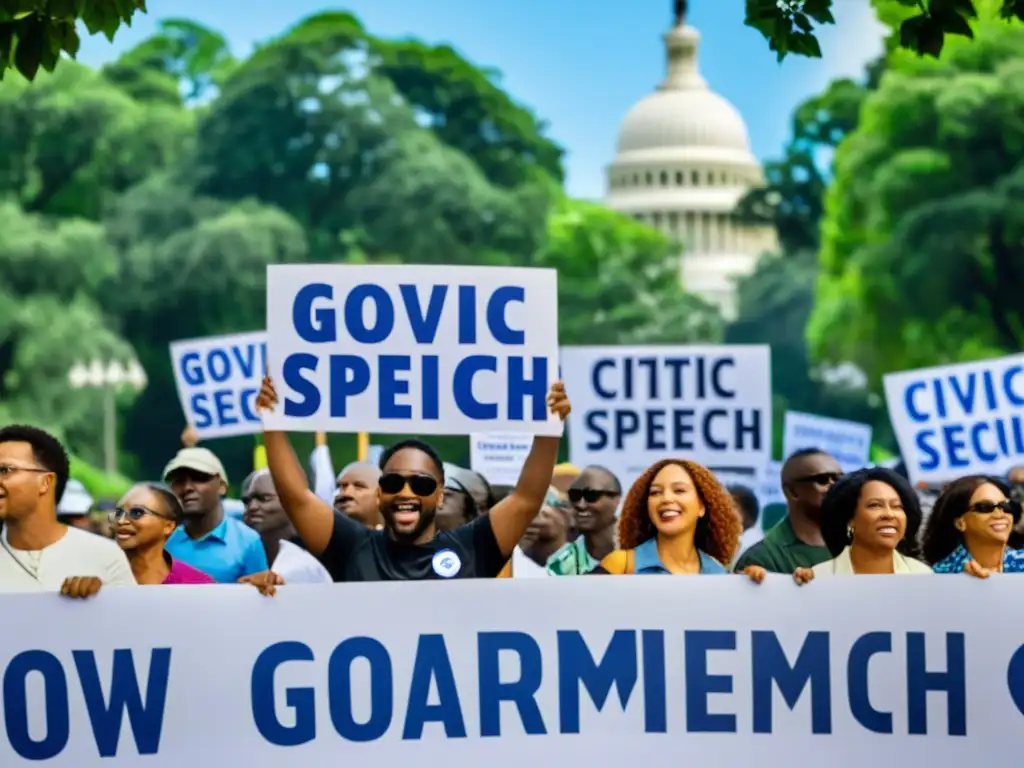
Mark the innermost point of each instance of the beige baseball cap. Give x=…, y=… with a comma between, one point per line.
x=197, y=459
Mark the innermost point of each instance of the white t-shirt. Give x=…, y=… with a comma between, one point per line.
x=524, y=568
x=296, y=566
x=76, y=553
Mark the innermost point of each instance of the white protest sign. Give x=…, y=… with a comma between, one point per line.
x=499, y=456
x=218, y=378
x=412, y=349
x=770, y=488
x=849, y=442
x=633, y=406
x=887, y=671
x=955, y=420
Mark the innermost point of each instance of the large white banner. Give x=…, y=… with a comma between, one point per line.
x=961, y=419
x=412, y=349
x=635, y=405
x=880, y=671
x=218, y=378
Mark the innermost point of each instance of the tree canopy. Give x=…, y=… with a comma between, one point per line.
x=141, y=203
x=922, y=258
x=36, y=35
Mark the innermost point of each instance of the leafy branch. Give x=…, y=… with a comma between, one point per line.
x=34, y=33
x=789, y=25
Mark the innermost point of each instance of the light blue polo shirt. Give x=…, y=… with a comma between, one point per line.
x=226, y=554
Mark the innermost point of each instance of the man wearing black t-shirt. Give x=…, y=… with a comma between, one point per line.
x=411, y=488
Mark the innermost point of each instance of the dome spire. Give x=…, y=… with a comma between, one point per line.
x=681, y=43
x=680, y=7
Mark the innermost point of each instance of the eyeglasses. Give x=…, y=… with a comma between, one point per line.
x=420, y=485
x=133, y=513
x=6, y=470
x=822, y=478
x=988, y=507
x=589, y=495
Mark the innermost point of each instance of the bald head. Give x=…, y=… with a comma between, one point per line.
x=252, y=478
x=1016, y=475
x=806, y=477
x=357, y=493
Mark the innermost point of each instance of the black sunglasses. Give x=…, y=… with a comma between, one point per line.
x=988, y=507
x=822, y=478
x=133, y=513
x=421, y=485
x=589, y=495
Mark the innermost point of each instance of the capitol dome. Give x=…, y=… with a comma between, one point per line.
x=674, y=119
x=682, y=163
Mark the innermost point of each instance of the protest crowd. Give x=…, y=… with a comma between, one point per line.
x=685, y=490
x=390, y=522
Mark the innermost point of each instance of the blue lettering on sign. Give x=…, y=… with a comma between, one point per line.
x=631, y=659
x=106, y=712
x=722, y=425
x=1015, y=679
x=369, y=315
x=975, y=436
x=229, y=378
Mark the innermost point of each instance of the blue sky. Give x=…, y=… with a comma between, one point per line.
x=579, y=64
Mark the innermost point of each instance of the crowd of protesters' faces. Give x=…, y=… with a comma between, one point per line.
x=414, y=517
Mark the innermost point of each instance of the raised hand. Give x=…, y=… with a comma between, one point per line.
x=267, y=398
x=558, y=401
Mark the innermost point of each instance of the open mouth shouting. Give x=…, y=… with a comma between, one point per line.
x=406, y=513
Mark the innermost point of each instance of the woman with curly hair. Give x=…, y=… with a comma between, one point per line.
x=970, y=526
x=869, y=521
x=676, y=519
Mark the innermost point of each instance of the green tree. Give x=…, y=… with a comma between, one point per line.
x=73, y=141
x=776, y=301
x=52, y=270
x=314, y=124
x=464, y=105
x=184, y=61
x=618, y=281
x=922, y=261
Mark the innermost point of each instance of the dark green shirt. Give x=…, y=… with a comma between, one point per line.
x=780, y=551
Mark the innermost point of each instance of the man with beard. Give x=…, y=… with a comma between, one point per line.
x=411, y=488
x=218, y=545
x=357, y=494
x=594, y=498
x=263, y=513
x=796, y=541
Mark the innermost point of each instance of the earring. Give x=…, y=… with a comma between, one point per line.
x=849, y=532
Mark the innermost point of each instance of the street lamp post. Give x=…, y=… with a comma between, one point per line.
x=110, y=377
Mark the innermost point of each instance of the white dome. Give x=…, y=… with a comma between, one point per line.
x=676, y=119
x=683, y=113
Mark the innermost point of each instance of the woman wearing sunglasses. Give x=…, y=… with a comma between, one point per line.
x=142, y=522
x=970, y=527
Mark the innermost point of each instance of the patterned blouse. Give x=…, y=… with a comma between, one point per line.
x=1013, y=561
